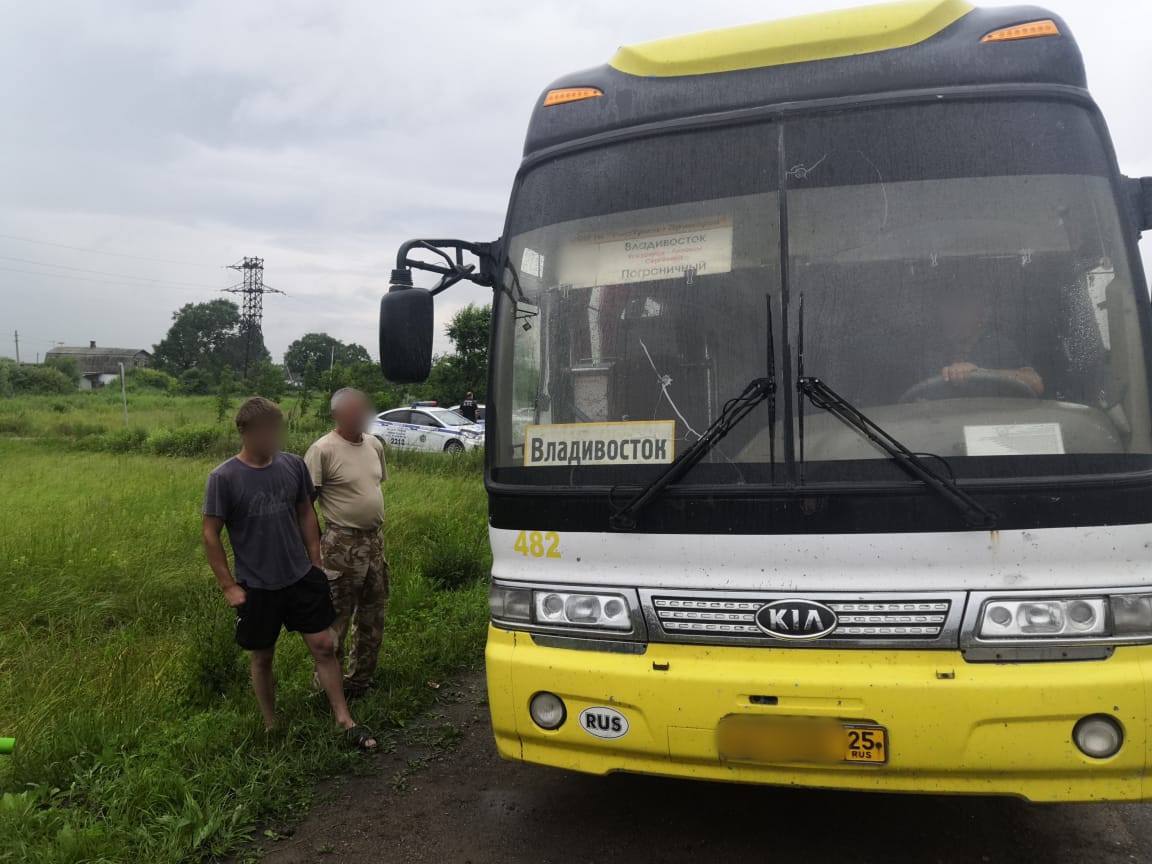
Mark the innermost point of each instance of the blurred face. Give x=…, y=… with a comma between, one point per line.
x=963, y=314
x=352, y=413
x=264, y=437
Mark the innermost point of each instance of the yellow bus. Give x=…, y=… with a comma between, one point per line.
x=819, y=440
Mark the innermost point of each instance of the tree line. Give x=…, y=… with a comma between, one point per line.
x=206, y=349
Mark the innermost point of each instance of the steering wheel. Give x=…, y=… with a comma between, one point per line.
x=979, y=383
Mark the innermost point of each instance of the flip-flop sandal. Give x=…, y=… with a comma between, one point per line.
x=358, y=737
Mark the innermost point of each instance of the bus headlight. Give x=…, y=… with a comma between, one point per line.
x=608, y=611
x=1048, y=617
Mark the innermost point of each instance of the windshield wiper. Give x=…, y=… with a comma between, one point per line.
x=827, y=399
x=734, y=410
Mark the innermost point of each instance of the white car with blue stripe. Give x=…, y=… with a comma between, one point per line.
x=433, y=430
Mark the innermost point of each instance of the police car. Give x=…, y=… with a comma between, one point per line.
x=428, y=428
x=479, y=412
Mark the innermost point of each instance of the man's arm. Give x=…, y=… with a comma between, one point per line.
x=961, y=372
x=218, y=560
x=309, y=530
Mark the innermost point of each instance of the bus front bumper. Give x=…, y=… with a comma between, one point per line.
x=953, y=727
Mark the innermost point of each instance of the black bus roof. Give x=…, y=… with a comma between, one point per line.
x=915, y=46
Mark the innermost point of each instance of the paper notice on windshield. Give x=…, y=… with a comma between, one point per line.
x=648, y=254
x=643, y=442
x=1015, y=439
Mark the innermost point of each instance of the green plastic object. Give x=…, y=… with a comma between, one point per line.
x=7, y=745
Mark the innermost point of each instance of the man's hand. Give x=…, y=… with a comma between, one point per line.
x=235, y=595
x=958, y=373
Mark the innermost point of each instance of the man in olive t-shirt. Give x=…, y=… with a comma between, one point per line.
x=347, y=468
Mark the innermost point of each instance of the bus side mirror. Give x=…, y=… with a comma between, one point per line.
x=1140, y=191
x=405, y=331
x=1146, y=203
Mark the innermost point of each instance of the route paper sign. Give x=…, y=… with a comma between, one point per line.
x=644, y=442
x=1015, y=439
x=648, y=254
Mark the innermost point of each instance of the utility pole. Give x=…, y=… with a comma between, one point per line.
x=252, y=289
x=16, y=335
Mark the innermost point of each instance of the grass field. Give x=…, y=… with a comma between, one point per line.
x=137, y=738
x=92, y=413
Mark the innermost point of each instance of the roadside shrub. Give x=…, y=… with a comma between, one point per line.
x=64, y=364
x=6, y=390
x=78, y=429
x=195, y=382
x=40, y=379
x=190, y=441
x=15, y=424
x=122, y=441
x=151, y=379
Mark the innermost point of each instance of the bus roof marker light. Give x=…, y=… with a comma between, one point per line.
x=563, y=95
x=1031, y=30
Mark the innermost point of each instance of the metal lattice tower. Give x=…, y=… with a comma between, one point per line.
x=252, y=290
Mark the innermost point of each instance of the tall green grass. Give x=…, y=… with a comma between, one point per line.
x=101, y=411
x=137, y=738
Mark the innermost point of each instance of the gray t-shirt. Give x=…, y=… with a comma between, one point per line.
x=258, y=506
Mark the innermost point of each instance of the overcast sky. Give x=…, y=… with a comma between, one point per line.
x=319, y=136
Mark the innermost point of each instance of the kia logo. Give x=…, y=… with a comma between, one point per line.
x=796, y=619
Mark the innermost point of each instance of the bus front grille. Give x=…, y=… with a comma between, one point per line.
x=887, y=620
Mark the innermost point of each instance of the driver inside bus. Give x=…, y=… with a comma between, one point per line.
x=974, y=345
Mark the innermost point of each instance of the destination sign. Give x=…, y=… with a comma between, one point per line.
x=643, y=442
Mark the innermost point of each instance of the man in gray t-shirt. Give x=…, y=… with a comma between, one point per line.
x=259, y=507
x=263, y=497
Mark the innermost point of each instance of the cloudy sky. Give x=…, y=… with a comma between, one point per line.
x=147, y=145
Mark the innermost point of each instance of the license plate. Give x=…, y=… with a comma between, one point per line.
x=813, y=740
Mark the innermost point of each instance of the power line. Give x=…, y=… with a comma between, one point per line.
x=97, y=281
x=104, y=251
x=103, y=272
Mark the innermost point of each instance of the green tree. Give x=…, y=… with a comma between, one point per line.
x=267, y=380
x=466, y=368
x=207, y=336
x=224, y=389
x=314, y=353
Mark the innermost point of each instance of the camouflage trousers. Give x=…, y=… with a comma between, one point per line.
x=358, y=581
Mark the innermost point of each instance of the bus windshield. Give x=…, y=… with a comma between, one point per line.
x=958, y=272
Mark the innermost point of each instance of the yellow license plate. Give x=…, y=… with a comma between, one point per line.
x=800, y=739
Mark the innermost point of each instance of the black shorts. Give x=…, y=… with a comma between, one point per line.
x=304, y=606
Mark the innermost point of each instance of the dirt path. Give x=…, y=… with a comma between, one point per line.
x=446, y=797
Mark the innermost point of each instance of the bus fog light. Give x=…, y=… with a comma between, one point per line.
x=1098, y=736
x=547, y=710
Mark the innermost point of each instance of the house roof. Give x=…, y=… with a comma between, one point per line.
x=98, y=360
x=98, y=351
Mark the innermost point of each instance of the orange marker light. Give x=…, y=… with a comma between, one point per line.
x=571, y=94
x=1031, y=30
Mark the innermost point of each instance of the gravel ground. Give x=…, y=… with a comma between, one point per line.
x=444, y=796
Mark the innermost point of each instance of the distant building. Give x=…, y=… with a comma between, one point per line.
x=99, y=366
